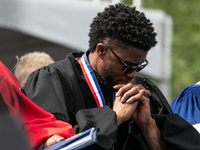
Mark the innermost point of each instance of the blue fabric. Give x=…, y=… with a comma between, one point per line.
x=187, y=104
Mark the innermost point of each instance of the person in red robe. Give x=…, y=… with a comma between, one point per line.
x=39, y=125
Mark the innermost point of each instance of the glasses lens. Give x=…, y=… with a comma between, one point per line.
x=129, y=69
x=139, y=68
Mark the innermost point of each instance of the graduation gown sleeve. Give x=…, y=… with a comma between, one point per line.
x=44, y=88
x=177, y=132
x=187, y=104
x=102, y=118
x=38, y=124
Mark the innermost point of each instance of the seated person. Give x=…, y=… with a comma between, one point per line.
x=187, y=105
x=29, y=63
x=41, y=127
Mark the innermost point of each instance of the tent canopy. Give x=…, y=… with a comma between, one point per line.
x=66, y=23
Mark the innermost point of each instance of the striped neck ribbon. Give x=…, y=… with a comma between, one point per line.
x=92, y=81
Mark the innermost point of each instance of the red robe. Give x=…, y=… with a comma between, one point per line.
x=38, y=124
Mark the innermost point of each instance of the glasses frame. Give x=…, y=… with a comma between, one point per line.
x=129, y=68
x=18, y=60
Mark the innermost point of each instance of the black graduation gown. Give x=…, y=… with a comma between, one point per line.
x=48, y=88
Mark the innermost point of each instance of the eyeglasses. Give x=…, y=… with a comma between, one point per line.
x=1, y=80
x=129, y=68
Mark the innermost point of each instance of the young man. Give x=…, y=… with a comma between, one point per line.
x=81, y=89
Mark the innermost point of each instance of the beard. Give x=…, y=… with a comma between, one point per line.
x=108, y=81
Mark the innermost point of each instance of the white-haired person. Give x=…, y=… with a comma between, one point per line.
x=29, y=63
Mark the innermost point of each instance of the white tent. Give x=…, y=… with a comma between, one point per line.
x=66, y=23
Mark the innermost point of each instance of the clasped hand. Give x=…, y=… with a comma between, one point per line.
x=132, y=102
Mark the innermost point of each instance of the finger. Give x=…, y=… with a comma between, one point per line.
x=133, y=91
x=117, y=87
x=49, y=142
x=139, y=86
x=139, y=97
x=59, y=139
x=124, y=88
x=53, y=140
x=142, y=92
x=145, y=92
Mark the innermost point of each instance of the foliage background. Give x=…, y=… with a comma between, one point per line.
x=185, y=41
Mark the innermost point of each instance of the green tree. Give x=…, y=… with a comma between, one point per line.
x=185, y=42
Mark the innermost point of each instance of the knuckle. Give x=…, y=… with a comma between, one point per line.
x=141, y=96
x=134, y=84
x=143, y=91
x=125, y=95
x=140, y=86
x=130, y=84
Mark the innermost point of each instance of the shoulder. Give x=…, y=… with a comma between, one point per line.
x=44, y=71
x=190, y=91
x=194, y=90
x=190, y=96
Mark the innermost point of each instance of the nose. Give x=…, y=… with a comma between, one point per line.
x=132, y=75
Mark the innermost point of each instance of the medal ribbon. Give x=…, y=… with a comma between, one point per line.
x=92, y=81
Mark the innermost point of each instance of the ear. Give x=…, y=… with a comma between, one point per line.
x=101, y=50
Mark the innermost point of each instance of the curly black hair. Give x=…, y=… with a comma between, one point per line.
x=124, y=24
